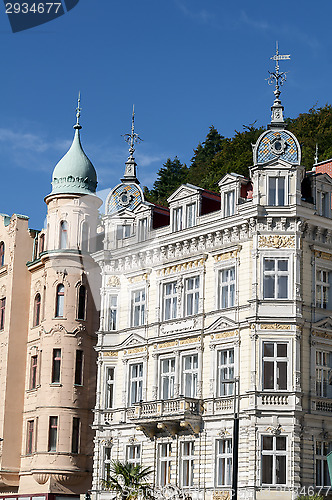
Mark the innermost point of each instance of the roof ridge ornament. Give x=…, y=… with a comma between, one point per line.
x=278, y=78
x=77, y=125
x=130, y=169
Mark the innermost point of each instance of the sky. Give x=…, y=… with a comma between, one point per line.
x=185, y=64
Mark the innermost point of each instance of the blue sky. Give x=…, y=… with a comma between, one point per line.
x=185, y=64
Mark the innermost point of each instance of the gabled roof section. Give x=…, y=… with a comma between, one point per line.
x=184, y=191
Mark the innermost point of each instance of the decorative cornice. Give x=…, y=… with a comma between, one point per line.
x=185, y=266
x=322, y=255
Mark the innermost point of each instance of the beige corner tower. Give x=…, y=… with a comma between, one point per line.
x=60, y=359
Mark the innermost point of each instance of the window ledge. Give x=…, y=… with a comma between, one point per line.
x=55, y=384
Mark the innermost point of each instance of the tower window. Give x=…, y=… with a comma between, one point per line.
x=52, y=433
x=63, y=234
x=2, y=253
x=2, y=313
x=60, y=299
x=79, y=367
x=81, y=302
x=85, y=237
x=36, y=312
x=56, y=366
x=75, y=441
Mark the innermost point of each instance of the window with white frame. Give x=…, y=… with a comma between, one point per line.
x=138, y=307
x=170, y=299
x=134, y=454
x=274, y=458
x=187, y=463
x=324, y=203
x=323, y=374
x=275, y=366
x=276, y=191
x=123, y=231
x=167, y=376
x=164, y=464
x=135, y=383
x=229, y=203
x=142, y=229
x=322, y=448
x=191, y=292
x=177, y=219
x=224, y=456
x=275, y=278
x=225, y=372
x=323, y=288
x=109, y=387
x=113, y=312
x=190, y=375
x=227, y=288
x=191, y=215
x=107, y=464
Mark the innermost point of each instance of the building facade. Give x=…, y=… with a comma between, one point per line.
x=48, y=319
x=219, y=305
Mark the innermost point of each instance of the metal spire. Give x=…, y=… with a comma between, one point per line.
x=278, y=78
x=78, y=112
x=133, y=137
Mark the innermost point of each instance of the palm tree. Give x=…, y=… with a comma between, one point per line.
x=129, y=481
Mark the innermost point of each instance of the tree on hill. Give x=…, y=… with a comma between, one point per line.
x=204, y=155
x=170, y=177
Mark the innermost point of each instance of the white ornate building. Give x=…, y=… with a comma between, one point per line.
x=219, y=290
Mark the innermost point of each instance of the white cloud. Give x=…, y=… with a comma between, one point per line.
x=202, y=15
x=31, y=142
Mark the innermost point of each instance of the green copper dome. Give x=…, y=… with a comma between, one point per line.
x=74, y=174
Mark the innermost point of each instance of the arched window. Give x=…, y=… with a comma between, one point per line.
x=41, y=243
x=63, y=234
x=36, y=310
x=2, y=253
x=85, y=237
x=81, y=302
x=60, y=299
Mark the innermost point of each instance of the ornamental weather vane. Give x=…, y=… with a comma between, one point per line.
x=133, y=137
x=278, y=78
x=78, y=112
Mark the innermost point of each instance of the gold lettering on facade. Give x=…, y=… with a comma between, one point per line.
x=172, y=343
x=112, y=354
x=323, y=335
x=276, y=241
x=135, y=350
x=137, y=279
x=190, y=340
x=224, y=335
x=275, y=326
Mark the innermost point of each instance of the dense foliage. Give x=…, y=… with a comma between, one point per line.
x=218, y=155
x=129, y=481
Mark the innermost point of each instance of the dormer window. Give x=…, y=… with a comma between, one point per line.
x=276, y=191
x=142, y=229
x=324, y=203
x=229, y=203
x=177, y=219
x=191, y=215
x=123, y=231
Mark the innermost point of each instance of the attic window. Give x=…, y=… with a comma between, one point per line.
x=123, y=231
x=276, y=191
x=191, y=215
x=177, y=219
x=229, y=203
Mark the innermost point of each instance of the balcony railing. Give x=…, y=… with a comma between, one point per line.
x=172, y=409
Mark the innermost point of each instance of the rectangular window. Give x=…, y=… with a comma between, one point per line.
x=56, y=366
x=224, y=462
x=325, y=205
x=30, y=437
x=191, y=292
x=134, y=454
x=229, y=203
x=177, y=219
x=138, y=308
x=109, y=388
x=191, y=215
x=136, y=383
x=187, y=463
x=53, y=434
x=107, y=464
x=276, y=191
x=167, y=375
x=75, y=438
x=142, y=229
x=164, y=475
x=275, y=366
x=33, y=372
x=227, y=288
x=170, y=300
x=275, y=278
x=322, y=472
x=190, y=375
x=323, y=289
x=2, y=313
x=79, y=367
x=225, y=372
x=113, y=312
x=274, y=459
x=123, y=231
x=323, y=374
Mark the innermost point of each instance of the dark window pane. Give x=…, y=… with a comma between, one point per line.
x=281, y=443
x=282, y=350
x=282, y=375
x=267, y=464
x=281, y=469
x=268, y=349
x=267, y=442
x=268, y=375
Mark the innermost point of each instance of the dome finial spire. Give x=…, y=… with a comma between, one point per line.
x=130, y=169
x=278, y=78
x=77, y=125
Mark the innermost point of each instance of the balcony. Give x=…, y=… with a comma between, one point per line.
x=169, y=416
